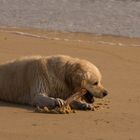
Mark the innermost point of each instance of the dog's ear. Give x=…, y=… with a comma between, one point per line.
x=83, y=83
x=74, y=75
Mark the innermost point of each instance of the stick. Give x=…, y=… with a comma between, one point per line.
x=75, y=96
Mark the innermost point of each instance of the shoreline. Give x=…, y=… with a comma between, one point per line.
x=39, y=33
x=63, y=32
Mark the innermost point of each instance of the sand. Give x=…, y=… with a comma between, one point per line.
x=119, y=61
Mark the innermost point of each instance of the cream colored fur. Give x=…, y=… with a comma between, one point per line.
x=55, y=76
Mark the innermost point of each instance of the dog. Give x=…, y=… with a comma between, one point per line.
x=49, y=81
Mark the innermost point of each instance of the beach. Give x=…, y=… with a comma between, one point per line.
x=118, y=59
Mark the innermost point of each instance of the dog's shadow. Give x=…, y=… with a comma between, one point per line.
x=14, y=105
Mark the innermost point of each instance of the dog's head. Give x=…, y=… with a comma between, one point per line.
x=83, y=74
x=92, y=83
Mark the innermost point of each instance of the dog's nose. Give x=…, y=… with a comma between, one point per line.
x=105, y=93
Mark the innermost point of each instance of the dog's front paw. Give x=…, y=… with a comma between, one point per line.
x=87, y=106
x=60, y=102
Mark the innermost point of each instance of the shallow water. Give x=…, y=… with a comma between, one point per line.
x=116, y=17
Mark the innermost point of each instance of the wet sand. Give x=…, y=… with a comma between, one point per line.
x=119, y=62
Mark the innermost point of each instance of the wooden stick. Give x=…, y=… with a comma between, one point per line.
x=76, y=96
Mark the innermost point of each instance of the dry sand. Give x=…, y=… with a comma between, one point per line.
x=119, y=61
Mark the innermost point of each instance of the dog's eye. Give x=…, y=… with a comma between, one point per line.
x=96, y=83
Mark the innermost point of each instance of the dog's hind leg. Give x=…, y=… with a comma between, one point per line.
x=42, y=100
